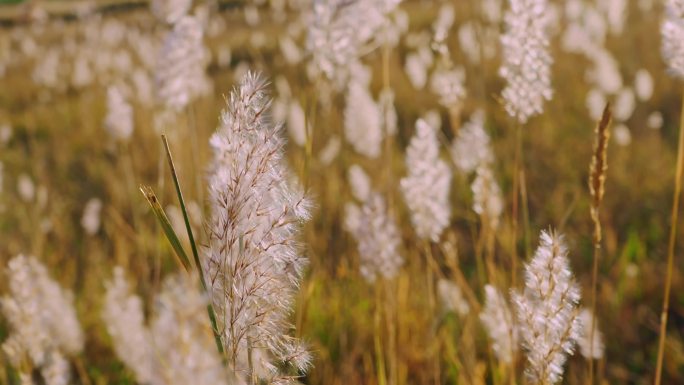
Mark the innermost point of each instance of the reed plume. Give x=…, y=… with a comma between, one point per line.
x=252, y=263
x=426, y=187
x=42, y=321
x=672, y=31
x=547, y=311
x=526, y=59
x=500, y=324
x=177, y=346
x=597, y=180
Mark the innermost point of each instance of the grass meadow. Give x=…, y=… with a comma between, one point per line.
x=84, y=102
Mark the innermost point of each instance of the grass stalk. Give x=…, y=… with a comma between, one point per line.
x=671, y=249
x=193, y=246
x=377, y=339
x=514, y=211
x=597, y=177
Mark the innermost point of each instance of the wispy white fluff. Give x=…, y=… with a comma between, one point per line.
x=526, y=60
x=426, y=187
x=252, y=262
x=589, y=349
x=90, y=221
x=487, y=199
x=119, y=119
x=452, y=298
x=359, y=182
x=362, y=121
x=178, y=345
x=377, y=236
x=123, y=315
x=170, y=11
x=447, y=84
x=182, y=333
x=26, y=188
x=296, y=123
x=181, y=65
x=672, y=31
x=643, y=85
x=42, y=320
x=500, y=324
x=388, y=112
x=330, y=151
x=471, y=147
x=341, y=30
x=547, y=310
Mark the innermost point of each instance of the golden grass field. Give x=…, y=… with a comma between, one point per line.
x=355, y=328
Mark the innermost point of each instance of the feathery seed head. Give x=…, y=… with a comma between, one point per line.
x=42, y=320
x=180, y=73
x=487, y=199
x=672, y=31
x=360, y=182
x=547, y=310
x=119, y=119
x=170, y=11
x=452, y=297
x=471, y=148
x=527, y=62
x=363, y=121
x=252, y=263
x=378, y=238
x=590, y=349
x=500, y=324
x=426, y=187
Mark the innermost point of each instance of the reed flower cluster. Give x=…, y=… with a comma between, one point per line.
x=526, y=59
x=44, y=330
x=547, y=310
x=181, y=65
x=426, y=187
x=500, y=324
x=176, y=346
x=672, y=31
x=253, y=263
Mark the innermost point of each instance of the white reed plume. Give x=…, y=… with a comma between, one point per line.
x=487, y=198
x=178, y=346
x=452, y=297
x=182, y=336
x=119, y=119
x=471, y=147
x=547, y=310
x=447, y=84
x=90, y=221
x=378, y=238
x=123, y=315
x=296, y=123
x=672, y=31
x=42, y=321
x=363, y=121
x=592, y=350
x=500, y=324
x=341, y=30
x=426, y=187
x=526, y=60
x=388, y=112
x=359, y=182
x=181, y=65
x=252, y=262
x=170, y=11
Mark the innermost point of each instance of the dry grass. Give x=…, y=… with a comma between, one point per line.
x=61, y=144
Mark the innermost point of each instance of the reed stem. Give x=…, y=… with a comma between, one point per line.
x=671, y=249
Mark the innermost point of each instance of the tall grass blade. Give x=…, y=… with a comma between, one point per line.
x=193, y=246
x=166, y=226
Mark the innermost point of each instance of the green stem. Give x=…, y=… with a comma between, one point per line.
x=195, y=254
